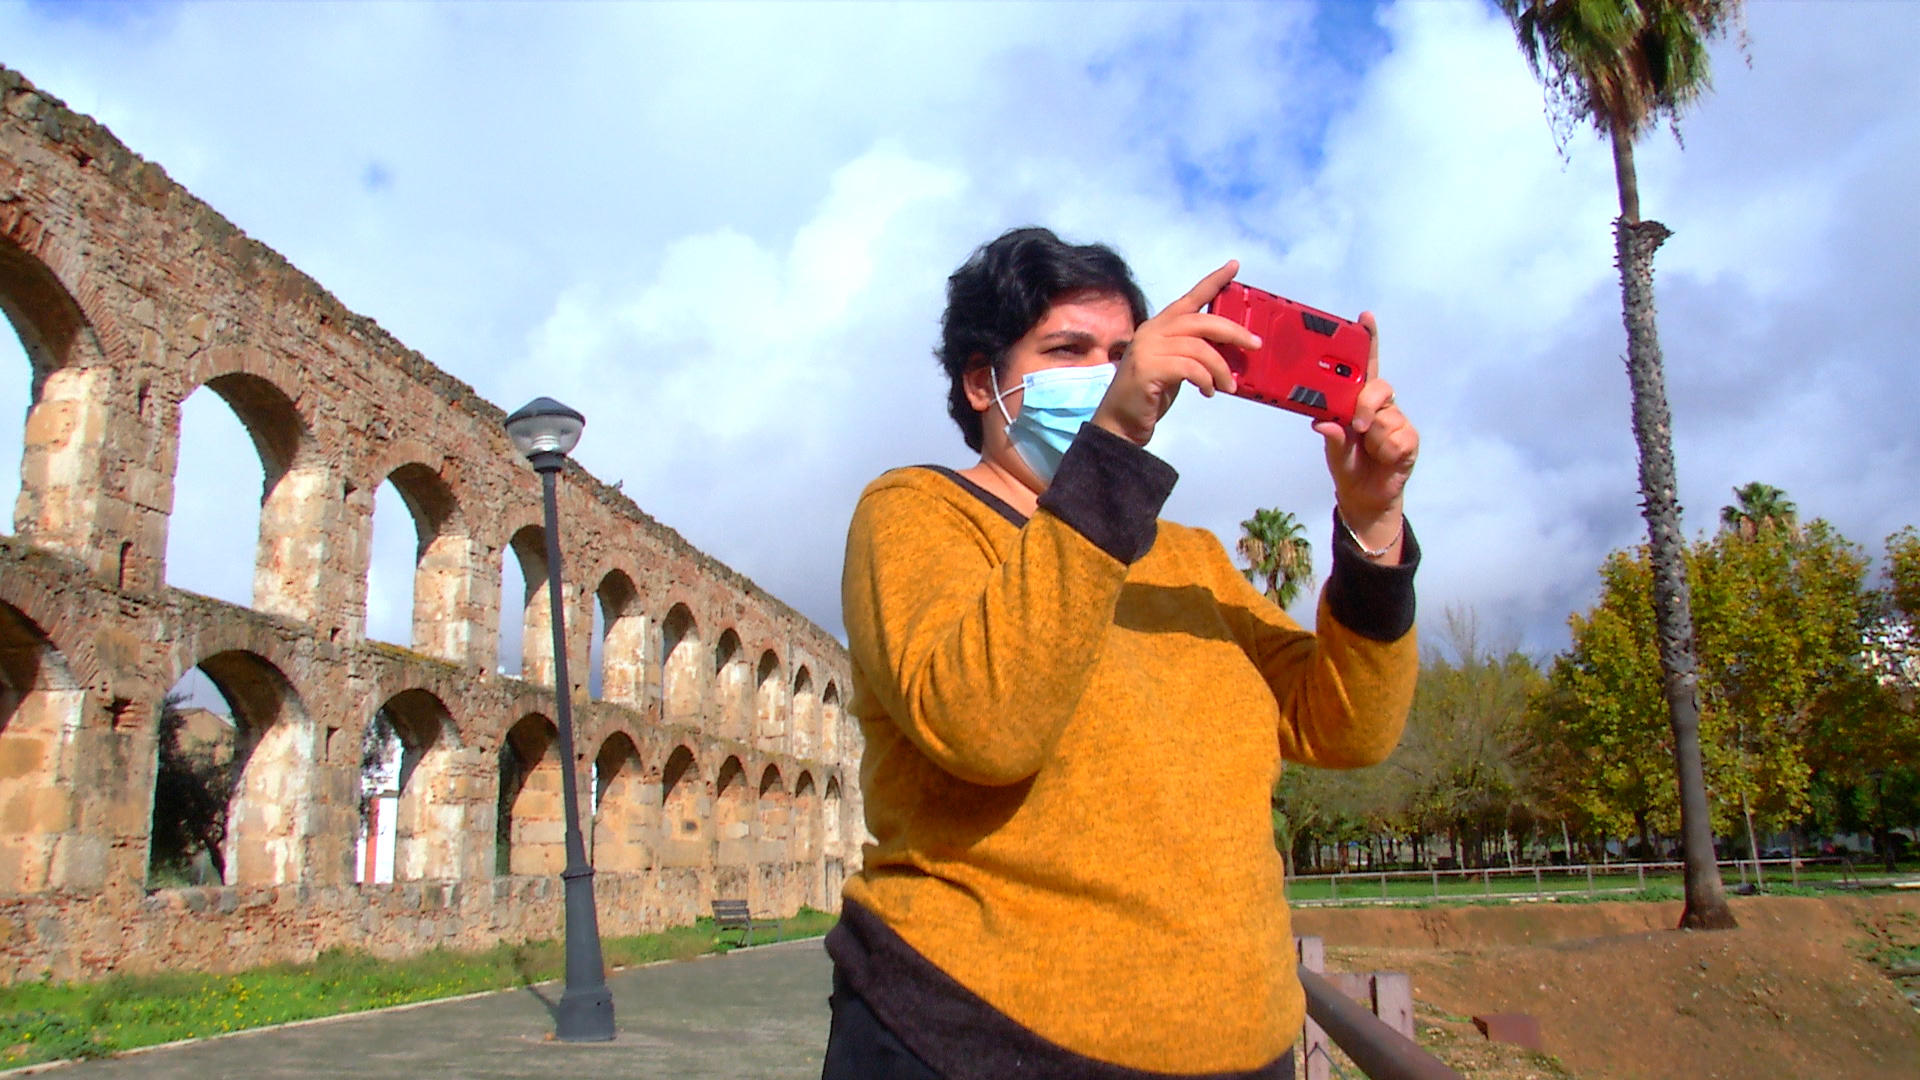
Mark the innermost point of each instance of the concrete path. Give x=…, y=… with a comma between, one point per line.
x=748, y=1015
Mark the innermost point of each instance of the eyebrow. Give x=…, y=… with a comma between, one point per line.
x=1077, y=337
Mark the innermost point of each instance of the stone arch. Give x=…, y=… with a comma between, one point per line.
x=413, y=814
x=769, y=703
x=297, y=496
x=40, y=712
x=623, y=647
x=684, y=809
x=773, y=813
x=528, y=547
x=732, y=814
x=832, y=827
x=442, y=563
x=806, y=714
x=806, y=821
x=530, y=824
x=265, y=839
x=682, y=674
x=70, y=385
x=832, y=720
x=731, y=692
x=625, y=807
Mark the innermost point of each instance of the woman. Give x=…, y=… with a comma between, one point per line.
x=1075, y=713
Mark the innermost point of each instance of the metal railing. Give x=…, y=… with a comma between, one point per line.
x=1379, y=1051
x=1355, y=886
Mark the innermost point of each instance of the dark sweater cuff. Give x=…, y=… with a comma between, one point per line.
x=1110, y=491
x=1369, y=599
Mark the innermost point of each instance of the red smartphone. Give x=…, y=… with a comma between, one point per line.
x=1308, y=362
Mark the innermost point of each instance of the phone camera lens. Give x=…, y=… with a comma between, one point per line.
x=1342, y=370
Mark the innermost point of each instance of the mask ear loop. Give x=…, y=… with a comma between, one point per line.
x=1000, y=399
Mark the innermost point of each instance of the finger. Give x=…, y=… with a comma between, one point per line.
x=1203, y=293
x=1375, y=396
x=1214, y=328
x=1213, y=367
x=1373, y=345
x=1335, y=434
x=1393, y=442
x=1197, y=363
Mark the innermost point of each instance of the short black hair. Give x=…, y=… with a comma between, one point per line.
x=1004, y=289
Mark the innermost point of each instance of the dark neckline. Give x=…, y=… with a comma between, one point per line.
x=994, y=502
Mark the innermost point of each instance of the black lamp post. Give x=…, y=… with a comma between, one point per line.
x=545, y=431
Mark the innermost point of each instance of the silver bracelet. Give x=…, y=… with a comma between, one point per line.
x=1355, y=537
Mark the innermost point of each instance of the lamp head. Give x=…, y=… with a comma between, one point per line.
x=544, y=426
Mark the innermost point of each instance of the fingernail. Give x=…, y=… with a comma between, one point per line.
x=1257, y=343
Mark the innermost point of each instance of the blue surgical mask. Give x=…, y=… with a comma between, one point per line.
x=1054, y=403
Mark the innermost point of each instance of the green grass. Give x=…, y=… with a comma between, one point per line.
x=46, y=1021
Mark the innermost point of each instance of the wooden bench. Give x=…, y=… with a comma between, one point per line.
x=735, y=915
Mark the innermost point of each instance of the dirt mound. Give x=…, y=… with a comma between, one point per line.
x=1621, y=995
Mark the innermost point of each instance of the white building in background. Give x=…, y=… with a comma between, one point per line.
x=380, y=804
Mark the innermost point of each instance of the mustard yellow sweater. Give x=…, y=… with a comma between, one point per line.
x=1070, y=745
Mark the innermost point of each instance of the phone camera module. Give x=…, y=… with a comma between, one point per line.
x=1342, y=370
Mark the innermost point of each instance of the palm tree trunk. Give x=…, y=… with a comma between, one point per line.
x=1635, y=241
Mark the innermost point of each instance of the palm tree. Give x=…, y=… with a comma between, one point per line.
x=1624, y=66
x=1757, y=506
x=1275, y=546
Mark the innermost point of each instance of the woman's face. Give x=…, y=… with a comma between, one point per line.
x=1079, y=330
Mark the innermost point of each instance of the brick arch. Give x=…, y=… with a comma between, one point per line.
x=527, y=545
x=76, y=357
x=299, y=492
x=41, y=608
x=769, y=702
x=733, y=812
x=685, y=808
x=805, y=708
x=274, y=789
x=530, y=825
x=732, y=687
x=625, y=660
x=222, y=636
x=683, y=666
x=40, y=710
x=443, y=561
x=832, y=827
x=43, y=285
x=413, y=808
x=773, y=810
x=626, y=809
x=832, y=721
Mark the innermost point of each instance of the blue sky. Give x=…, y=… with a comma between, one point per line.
x=548, y=200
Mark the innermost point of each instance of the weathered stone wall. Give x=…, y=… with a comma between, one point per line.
x=724, y=759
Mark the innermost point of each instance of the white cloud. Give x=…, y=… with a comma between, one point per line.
x=724, y=233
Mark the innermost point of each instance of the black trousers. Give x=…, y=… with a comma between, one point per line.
x=859, y=1047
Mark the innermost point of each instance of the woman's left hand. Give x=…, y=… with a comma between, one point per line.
x=1371, y=458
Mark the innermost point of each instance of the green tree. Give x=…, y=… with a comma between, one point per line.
x=1784, y=695
x=1756, y=506
x=1602, y=739
x=1276, y=548
x=1623, y=66
x=1903, y=572
x=192, y=781
x=1781, y=618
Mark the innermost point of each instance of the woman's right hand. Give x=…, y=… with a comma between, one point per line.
x=1173, y=347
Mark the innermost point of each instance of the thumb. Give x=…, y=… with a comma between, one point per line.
x=1335, y=434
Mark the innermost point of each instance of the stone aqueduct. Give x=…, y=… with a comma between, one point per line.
x=717, y=754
